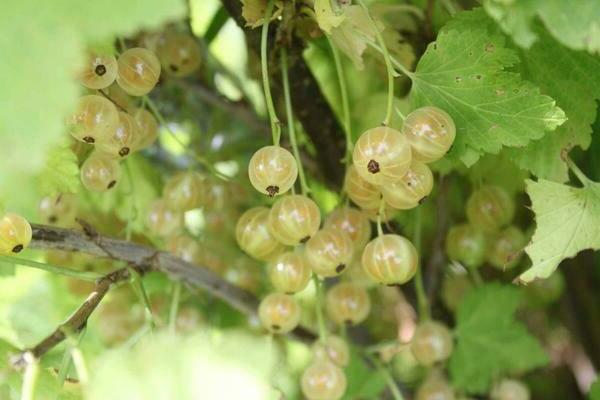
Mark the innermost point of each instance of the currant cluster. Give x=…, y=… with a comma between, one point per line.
x=488, y=235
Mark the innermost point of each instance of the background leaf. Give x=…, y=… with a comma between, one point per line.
x=490, y=341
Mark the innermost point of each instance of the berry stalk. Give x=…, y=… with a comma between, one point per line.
x=319, y=308
x=419, y=288
x=275, y=124
x=345, y=104
x=290, y=118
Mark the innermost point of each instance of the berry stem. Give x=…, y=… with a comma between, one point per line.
x=80, y=367
x=396, y=393
x=388, y=66
x=578, y=173
x=400, y=114
x=319, y=308
x=264, y=63
x=395, y=62
x=345, y=104
x=290, y=119
x=65, y=364
x=174, y=306
x=419, y=288
x=140, y=291
x=81, y=275
x=30, y=378
x=379, y=214
x=199, y=159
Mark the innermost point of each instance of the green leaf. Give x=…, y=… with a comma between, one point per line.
x=327, y=18
x=42, y=44
x=572, y=78
x=465, y=73
x=490, y=341
x=576, y=23
x=363, y=381
x=498, y=170
x=568, y=221
x=595, y=390
x=253, y=11
x=60, y=173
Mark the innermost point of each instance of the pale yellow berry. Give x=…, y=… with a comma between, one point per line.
x=289, y=273
x=147, y=128
x=411, y=190
x=100, y=172
x=430, y=131
x=99, y=71
x=323, y=380
x=510, y=389
x=361, y=192
x=432, y=343
x=272, y=170
x=186, y=190
x=139, y=71
x=334, y=349
x=161, y=220
x=253, y=236
x=15, y=234
x=390, y=259
x=122, y=140
x=329, y=252
x=94, y=119
x=59, y=210
x=294, y=219
x=490, y=208
x=279, y=313
x=352, y=221
x=179, y=54
x=348, y=303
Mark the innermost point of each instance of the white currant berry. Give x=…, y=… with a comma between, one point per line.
x=430, y=131
x=15, y=234
x=329, y=252
x=95, y=118
x=290, y=273
x=432, y=343
x=272, y=170
x=100, y=172
x=139, y=71
x=361, y=192
x=294, y=219
x=323, y=380
x=253, y=236
x=99, y=71
x=348, y=303
x=411, y=190
x=390, y=259
x=279, y=313
x=161, y=220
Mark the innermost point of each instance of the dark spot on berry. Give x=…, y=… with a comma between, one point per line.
x=304, y=239
x=173, y=67
x=348, y=322
x=52, y=219
x=89, y=139
x=17, y=248
x=111, y=184
x=100, y=70
x=340, y=268
x=124, y=151
x=272, y=190
x=423, y=200
x=275, y=327
x=373, y=167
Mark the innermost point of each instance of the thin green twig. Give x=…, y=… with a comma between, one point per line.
x=391, y=383
x=319, y=308
x=264, y=63
x=345, y=103
x=81, y=275
x=290, y=118
x=585, y=181
x=419, y=288
x=140, y=291
x=30, y=378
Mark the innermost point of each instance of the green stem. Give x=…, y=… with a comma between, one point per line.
x=84, y=276
x=419, y=288
x=395, y=62
x=79, y=363
x=140, y=291
x=174, y=306
x=345, y=104
x=290, y=118
x=388, y=66
x=65, y=364
x=396, y=393
x=400, y=114
x=379, y=216
x=319, y=308
x=30, y=378
x=264, y=62
x=199, y=159
x=132, y=209
x=578, y=173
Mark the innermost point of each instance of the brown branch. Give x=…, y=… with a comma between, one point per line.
x=142, y=259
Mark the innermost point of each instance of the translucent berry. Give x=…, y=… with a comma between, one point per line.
x=405, y=367
x=329, y=252
x=179, y=54
x=323, y=380
x=161, y=220
x=116, y=95
x=435, y=389
x=15, y=234
x=390, y=259
x=352, y=221
x=334, y=349
x=356, y=274
x=289, y=273
x=139, y=70
x=147, y=128
x=95, y=118
x=430, y=131
x=58, y=210
x=382, y=155
x=467, y=245
x=185, y=247
x=543, y=292
x=100, y=172
x=348, y=303
x=361, y=192
x=253, y=236
x=186, y=190
x=294, y=219
x=411, y=190
x=279, y=313
x=122, y=140
x=490, y=208
x=432, y=343
x=388, y=214
x=506, y=248
x=99, y=71
x=272, y=170
x=510, y=389
x=454, y=288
